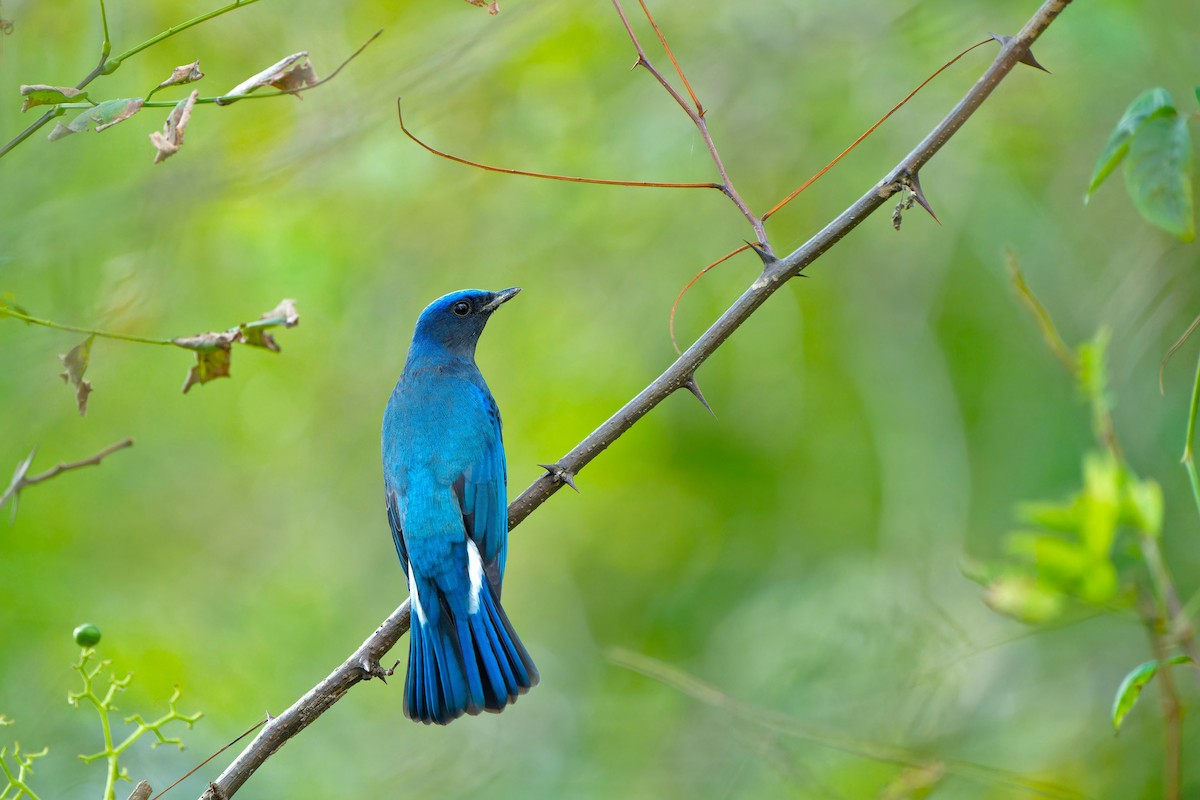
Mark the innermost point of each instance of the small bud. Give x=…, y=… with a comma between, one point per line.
x=87, y=635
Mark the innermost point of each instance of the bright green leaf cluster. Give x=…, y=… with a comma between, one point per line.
x=1153, y=140
x=1069, y=551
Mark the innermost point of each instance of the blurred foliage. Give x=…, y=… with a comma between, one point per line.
x=876, y=421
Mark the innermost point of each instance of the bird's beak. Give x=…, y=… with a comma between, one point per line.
x=501, y=297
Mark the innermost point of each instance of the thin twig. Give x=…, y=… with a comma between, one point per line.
x=785, y=725
x=547, y=175
x=870, y=130
x=1189, y=460
x=364, y=662
x=9, y=311
x=678, y=69
x=21, y=481
x=1156, y=625
x=1162, y=365
x=696, y=115
x=197, y=768
x=689, y=285
x=1041, y=316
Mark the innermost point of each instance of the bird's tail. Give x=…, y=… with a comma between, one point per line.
x=461, y=661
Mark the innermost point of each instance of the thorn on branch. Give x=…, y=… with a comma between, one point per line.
x=560, y=474
x=763, y=252
x=693, y=387
x=1026, y=57
x=910, y=183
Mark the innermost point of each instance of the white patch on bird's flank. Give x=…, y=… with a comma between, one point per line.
x=475, y=573
x=415, y=595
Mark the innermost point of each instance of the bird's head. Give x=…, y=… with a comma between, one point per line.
x=455, y=321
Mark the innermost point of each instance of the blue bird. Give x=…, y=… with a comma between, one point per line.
x=447, y=502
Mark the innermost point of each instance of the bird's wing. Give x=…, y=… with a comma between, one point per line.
x=482, y=492
x=393, y=512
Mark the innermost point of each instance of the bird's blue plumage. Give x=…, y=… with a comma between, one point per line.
x=445, y=482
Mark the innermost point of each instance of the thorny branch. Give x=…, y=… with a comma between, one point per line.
x=21, y=480
x=364, y=663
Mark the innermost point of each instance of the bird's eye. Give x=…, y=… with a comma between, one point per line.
x=461, y=308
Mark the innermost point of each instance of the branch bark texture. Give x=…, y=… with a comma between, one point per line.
x=364, y=662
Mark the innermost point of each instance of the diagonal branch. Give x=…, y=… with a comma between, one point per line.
x=364, y=662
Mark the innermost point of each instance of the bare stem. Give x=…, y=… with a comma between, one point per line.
x=1157, y=629
x=696, y=115
x=20, y=481
x=9, y=311
x=364, y=662
x=1189, y=461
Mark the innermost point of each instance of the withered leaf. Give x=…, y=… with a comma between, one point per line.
x=76, y=363
x=212, y=355
x=1027, y=58
x=492, y=6
x=255, y=333
x=170, y=140
x=213, y=350
x=105, y=115
x=43, y=95
x=288, y=74
x=187, y=73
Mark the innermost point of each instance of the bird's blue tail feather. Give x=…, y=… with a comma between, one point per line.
x=462, y=663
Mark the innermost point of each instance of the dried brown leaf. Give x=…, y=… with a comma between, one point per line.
x=213, y=350
x=492, y=6
x=255, y=333
x=170, y=140
x=76, y=363
x=212, y=355
x=187, y=73
x=292, y=72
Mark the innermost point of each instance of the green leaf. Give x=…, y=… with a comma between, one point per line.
x=1059, y=561
x=1143, y=506
x=1149, y=104
x=43, y=95
x=105, y=115
x=1101, y=507
x=1131, y=687
x=1024, y=598
x=1052, y=516
x=1158, y=175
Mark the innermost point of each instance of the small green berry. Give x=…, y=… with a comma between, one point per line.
x=87, y=635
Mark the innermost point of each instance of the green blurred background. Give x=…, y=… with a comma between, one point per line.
x=875, y=423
